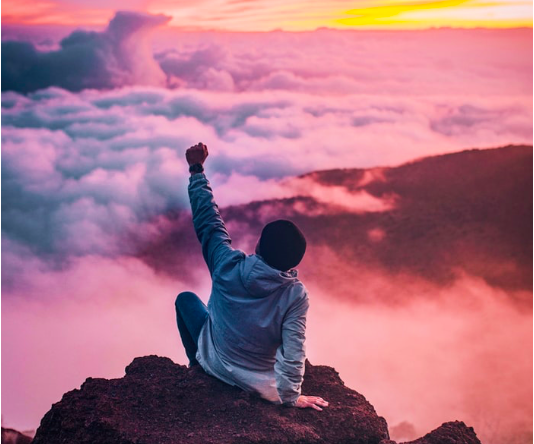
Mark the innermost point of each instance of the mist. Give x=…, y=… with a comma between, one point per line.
x=460, y=354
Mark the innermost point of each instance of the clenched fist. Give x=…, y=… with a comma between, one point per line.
x=196, y=154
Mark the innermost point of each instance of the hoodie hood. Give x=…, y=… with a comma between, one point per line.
x=260, y=279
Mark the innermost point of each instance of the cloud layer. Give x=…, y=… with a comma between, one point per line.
x=329, y=62
x=103, y=163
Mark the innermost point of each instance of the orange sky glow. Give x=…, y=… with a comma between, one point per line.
x=268, y=15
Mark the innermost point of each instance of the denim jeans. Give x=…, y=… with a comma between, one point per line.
x=191, y=313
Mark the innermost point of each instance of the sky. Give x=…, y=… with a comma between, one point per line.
x=268, y=15
x=98, y=108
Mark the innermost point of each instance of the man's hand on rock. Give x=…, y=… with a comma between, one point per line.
x=196, y=154
x=312, y=402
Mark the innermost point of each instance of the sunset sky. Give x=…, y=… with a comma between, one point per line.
x=101, y=98
x=267, y=15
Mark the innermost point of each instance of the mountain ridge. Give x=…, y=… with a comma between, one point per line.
x=460, y=213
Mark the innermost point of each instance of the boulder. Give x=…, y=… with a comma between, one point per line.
x=158, y=401
x=455, y=432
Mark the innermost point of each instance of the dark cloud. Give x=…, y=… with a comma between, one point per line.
x=367, y=120
x=464, y=118
x=118, y=56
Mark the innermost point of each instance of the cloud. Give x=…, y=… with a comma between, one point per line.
x=120, y=55
x=198, y=68
x=444, y=353
x=106, y=162
x=468, y=118
x=332, y=199
x=379, y=62
x=96, y=315
x=459, y=354
x=356, y=201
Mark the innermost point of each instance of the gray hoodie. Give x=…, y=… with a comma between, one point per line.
x=254, y=335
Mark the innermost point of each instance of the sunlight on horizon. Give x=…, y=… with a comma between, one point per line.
x=268, y=15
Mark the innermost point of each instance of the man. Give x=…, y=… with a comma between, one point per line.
x=252, y=333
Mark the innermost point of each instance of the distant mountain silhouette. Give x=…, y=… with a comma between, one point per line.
x=470, y=210
x=11, y=436
x=465, y=212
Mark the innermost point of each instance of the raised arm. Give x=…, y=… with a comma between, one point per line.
x=207, y=220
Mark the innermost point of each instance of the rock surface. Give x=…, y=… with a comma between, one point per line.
x=158, y=401
x=455, y=432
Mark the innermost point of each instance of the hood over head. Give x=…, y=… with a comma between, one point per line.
x=260, y=279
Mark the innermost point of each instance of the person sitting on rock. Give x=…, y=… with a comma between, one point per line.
x=251, y=334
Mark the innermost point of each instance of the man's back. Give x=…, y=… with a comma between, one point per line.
x=252, y=333
x=253, y=310
x=248, y=304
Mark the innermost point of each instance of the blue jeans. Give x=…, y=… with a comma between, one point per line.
x=191, y=314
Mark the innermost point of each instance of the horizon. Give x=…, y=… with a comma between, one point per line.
x=189, y=29
x=300, y=15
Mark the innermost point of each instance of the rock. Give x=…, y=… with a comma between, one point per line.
x=158, y=401
x=449, y=433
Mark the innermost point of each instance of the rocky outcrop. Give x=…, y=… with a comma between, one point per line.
x=158, y=401
x=455, y=432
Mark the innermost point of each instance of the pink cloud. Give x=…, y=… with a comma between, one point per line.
x=103, y=313
x=445, y=353
x=356, y=201
x=328, y=61
x=434, y=359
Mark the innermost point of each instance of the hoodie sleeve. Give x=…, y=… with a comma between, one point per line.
x=290, y=356
x=208, y=223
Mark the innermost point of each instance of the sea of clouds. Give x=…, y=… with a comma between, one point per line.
x=94, y=129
